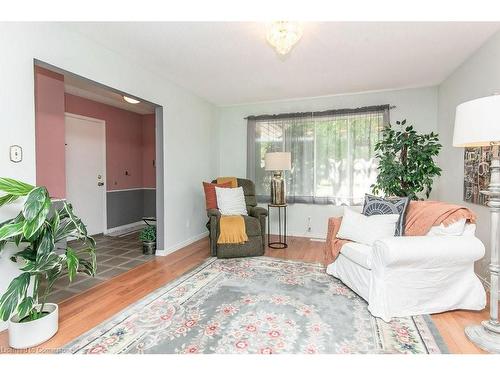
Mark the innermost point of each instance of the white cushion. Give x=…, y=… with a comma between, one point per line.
x=358, y=253
x=454, y=229
x=231, y=201
x=366, y=229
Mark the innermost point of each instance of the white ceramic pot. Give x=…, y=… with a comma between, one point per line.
x=28, y=334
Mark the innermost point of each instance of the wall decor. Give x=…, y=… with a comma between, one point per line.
x=476, y=173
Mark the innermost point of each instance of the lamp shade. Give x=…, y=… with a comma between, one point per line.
x=477, y=122
x=278, y=161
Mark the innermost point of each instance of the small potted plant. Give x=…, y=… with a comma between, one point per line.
x=31, y=238
x=148, y=238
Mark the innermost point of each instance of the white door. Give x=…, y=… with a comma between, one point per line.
x=85, y=170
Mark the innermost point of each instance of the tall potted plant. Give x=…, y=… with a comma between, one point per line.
x=34, y=233
x=406, y=162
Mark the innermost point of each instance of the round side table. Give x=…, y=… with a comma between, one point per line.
x=281, y=243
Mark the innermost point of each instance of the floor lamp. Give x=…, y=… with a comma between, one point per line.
x=477, y=123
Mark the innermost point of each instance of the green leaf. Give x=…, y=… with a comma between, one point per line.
x=9, y=231
x=43, y=263
x=28, y=254
x=65, y=229
x=90, y=265
x=52, y=276
x=72, y=263
x=17, y=219
x=25, y=306
x=31, y=228
x=17, y=289
x=14, y=187
x=70, y=225
x=8, y=198
x=35, y=202
x=18, y=239
x=55, y=221
x=46, y=243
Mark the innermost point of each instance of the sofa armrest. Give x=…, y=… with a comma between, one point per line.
x=333, y=229
x=212, y=225
x=257, y=211
x=426, y=251
x=331, y=250
x=260, y=214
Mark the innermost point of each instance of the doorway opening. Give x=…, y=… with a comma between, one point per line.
x=101, y=150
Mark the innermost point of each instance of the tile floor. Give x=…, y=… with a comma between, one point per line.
x=115, y=255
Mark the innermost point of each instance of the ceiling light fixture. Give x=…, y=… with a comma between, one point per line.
x=283, y=35
x=131, y=100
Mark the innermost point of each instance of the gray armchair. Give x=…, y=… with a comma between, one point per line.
x=255, y=225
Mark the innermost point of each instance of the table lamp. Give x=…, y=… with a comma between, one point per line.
x=477, y=124
x=278, y=162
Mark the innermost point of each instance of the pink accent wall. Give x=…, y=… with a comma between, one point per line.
x=130, y=138
x=149, y=151
x=124, y=142
x=49, y=132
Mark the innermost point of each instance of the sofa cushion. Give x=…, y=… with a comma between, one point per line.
x=384, y=206
x=253, y=247
x=365, y=229
x=454, y=229
x=358, y=253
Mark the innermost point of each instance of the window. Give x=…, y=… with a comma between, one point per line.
x=332, y=153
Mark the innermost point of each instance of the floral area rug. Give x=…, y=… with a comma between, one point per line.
x=256, y=305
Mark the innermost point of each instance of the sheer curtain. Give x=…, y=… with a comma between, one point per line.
x=332, y=153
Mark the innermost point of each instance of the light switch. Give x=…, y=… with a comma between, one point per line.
x=16, y=154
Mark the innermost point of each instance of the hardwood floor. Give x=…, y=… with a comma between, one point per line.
x=80, y=313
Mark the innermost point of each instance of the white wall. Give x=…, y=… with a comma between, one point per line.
x=418, y=106
x=189, y=122
x=477, y=77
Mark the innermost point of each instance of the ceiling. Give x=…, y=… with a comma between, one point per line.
x=231, y=63
x=86, y=89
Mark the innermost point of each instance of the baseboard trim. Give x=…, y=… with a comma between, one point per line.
x=182, y=244
x=307, y=235
x=125, y=227
x=129, y=189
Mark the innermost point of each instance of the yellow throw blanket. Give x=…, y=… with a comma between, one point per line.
x=232, y=180
x=232, y=230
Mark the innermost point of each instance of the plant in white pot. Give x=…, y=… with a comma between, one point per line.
x=35, y=231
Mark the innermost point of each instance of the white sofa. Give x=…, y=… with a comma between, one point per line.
x=404, y=276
